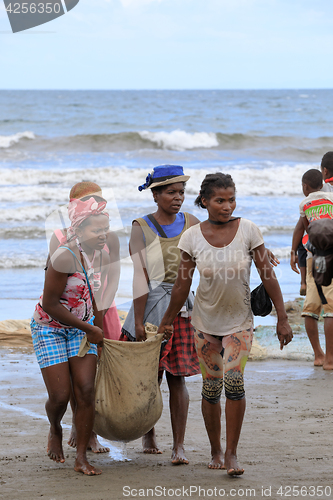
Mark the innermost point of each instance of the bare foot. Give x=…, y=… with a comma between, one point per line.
x=54, y=445
x=72, y=437
x=328, y=366
x=85, y=467
x=149, y=443
x=231, y=465
x=217, y=461
x=319, y=361
x=178, y=456
x=95, y=446
x=302, y=290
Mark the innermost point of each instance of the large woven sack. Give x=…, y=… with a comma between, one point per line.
x=128, y=400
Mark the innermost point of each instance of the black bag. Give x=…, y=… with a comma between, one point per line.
x=321, y=238
x=261, y=303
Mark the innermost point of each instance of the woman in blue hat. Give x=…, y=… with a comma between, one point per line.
x=153, y=248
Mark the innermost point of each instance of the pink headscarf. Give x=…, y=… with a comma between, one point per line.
x=79, y=210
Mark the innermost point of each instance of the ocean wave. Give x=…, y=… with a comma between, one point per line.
x=29, y=196
x=21, y=261
x=6, y=141
x=276, y=229
x=179, y=140
x=32, y=213
x=22, y=233
x=282, y=252
x=175, y=140
x=251, y=178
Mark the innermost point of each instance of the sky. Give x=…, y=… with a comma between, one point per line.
x=173, y=44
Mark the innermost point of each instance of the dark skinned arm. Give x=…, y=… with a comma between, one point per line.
x=55, y=282
x=297, y=238
x=179, y=293
x=272, y=287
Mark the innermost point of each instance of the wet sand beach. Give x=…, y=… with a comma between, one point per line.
x=286, y=441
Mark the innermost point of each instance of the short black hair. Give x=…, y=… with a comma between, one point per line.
x=313, y=178
x=327, y=162
x=210, y=183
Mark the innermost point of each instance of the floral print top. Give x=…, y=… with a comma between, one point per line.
x=76, y=298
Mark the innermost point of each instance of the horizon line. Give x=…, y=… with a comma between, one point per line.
x=160, y=89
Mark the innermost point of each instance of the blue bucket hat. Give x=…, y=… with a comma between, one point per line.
x=163, y=175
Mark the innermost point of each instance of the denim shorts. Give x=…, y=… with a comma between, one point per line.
x=56, y=345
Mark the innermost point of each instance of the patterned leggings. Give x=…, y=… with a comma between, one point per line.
x=223, y=358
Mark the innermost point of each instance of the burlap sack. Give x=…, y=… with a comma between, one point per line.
x=128, y=399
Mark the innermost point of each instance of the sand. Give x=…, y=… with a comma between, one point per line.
x=286, y=441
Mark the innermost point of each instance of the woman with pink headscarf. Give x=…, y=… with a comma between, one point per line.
x=111, y=322
x=65, y=313
x=105, y=286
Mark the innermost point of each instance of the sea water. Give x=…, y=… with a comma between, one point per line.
x=49, y=140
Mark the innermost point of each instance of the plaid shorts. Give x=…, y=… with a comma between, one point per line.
x=55, y=345
x=179, y=356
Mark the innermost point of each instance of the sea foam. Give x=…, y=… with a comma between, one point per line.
x=179, y=140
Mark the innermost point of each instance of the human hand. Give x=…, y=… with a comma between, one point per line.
x=284, y=332
x=140, y=333
x=167, y=331
x=274, y=261
x=294, y=262
x=94, y=335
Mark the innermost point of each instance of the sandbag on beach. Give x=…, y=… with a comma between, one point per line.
x=128, y=400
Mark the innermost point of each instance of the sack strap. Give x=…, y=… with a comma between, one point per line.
x=321, y=294
x=156, y=224
x=85, y=272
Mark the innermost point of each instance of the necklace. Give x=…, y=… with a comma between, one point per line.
x=219, y=223
x=90, y=263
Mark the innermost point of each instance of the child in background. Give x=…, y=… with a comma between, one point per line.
x=300, y=258
x=317, y=205
x=327, y=171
